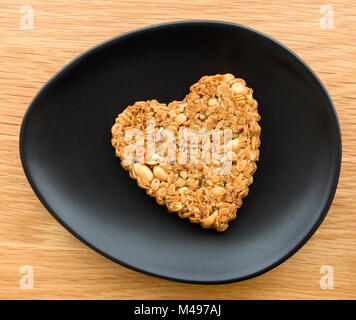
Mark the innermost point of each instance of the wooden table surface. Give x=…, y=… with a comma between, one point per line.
x=63, y=266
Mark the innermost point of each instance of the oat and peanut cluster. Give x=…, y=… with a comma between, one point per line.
x=196, y=191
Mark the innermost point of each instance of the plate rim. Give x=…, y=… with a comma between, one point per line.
x=92, y=50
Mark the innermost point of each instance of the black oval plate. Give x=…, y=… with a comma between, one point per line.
x=70, y=163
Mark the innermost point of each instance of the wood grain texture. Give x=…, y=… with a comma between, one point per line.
x=63, y=266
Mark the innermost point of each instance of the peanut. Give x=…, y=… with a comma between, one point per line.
x=160, y=173
x=209, y=221
x=143, y=172
x=212, y=102
x=181, y=118
x=219, y=191
x=235, y=145
x=175, y=206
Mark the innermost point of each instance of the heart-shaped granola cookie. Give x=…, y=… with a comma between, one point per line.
x=196, y=156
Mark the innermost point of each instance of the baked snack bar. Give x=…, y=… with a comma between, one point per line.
x=197, y=190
